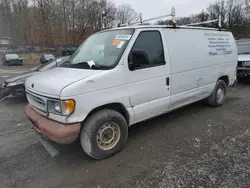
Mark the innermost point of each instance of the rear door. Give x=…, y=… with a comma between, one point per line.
x=149, y=84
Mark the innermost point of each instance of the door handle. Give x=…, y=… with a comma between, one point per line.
x=167, y=81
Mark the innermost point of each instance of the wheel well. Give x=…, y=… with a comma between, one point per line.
x=113, y=106
x=225, y=79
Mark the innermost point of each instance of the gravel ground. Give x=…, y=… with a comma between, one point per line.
x=196, y=146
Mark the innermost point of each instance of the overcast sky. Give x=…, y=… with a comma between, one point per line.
x=153, y=8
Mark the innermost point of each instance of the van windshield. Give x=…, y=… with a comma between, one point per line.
x=12, y=56
x=243, y=48
x=101, y=50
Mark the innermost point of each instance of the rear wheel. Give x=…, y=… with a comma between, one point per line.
x=218, y=96
x=104, y=134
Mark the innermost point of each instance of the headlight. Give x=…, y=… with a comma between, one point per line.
x=246, y=63
x=3, y=85
x=11, y=84
x=65, y=108
x=54, y=107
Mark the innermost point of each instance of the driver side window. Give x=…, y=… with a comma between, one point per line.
x=150, y=49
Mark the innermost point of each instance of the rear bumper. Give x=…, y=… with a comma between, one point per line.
x=57, y=132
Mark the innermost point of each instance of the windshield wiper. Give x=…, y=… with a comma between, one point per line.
x=85, y=65
x=244, y=53
x=103, y=67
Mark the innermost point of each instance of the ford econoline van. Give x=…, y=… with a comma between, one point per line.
x=126, y=75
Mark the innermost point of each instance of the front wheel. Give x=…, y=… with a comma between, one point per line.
x=218, y=96
x=104, y=134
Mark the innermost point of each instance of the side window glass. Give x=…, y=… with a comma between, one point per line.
x=147, y=51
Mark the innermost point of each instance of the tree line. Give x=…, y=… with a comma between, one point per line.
x=59, y=22
x=54, y=23
x=235, y=16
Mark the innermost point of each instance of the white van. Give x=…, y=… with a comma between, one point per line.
x=123, y=76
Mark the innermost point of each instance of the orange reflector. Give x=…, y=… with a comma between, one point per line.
x=68, y=107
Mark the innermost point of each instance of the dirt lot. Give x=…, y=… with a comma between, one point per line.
x=196, y=146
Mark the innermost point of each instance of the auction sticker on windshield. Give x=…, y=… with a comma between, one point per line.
x=121, y=44
x=116, y=42
x=123, y=37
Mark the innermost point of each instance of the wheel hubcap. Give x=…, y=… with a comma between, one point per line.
x=220, y=95
x=108, y=136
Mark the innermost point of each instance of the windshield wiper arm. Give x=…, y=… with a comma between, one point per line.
x=246, y=53
x=100, y=67
x=86, y=64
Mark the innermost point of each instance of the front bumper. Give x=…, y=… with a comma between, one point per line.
x=57, y=132
x=16, y=91
x=4, y=92
x=14, y=62
x=243, y=71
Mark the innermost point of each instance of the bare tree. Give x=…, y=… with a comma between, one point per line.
x=247, y=5
x=5, y=18
x=126, y=14
x=110, y=15
x=217, y=9
x=58, y=22
x=69, y=22
x=247, y=2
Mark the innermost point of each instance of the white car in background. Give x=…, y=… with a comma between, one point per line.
x=243, y=69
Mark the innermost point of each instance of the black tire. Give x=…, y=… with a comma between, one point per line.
x=212, y=100
x=92, y=127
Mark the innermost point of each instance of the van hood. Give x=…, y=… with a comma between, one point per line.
x=21, y=77
x=244, y=57
x=52, y=82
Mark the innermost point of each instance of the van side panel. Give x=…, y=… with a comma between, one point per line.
x=198, y=58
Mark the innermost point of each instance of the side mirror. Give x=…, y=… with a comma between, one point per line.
x=138, y=58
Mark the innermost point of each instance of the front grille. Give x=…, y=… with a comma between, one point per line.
x=37, y=102
x=14, y=61
x=240, y=63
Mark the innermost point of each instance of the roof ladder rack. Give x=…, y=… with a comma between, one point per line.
x=173, y=23
x=151, y=19
x=206, y=22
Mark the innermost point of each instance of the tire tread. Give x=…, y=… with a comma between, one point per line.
x=88, y=129
x=211, y=100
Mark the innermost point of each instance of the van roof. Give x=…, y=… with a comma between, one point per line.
x=167, y=26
